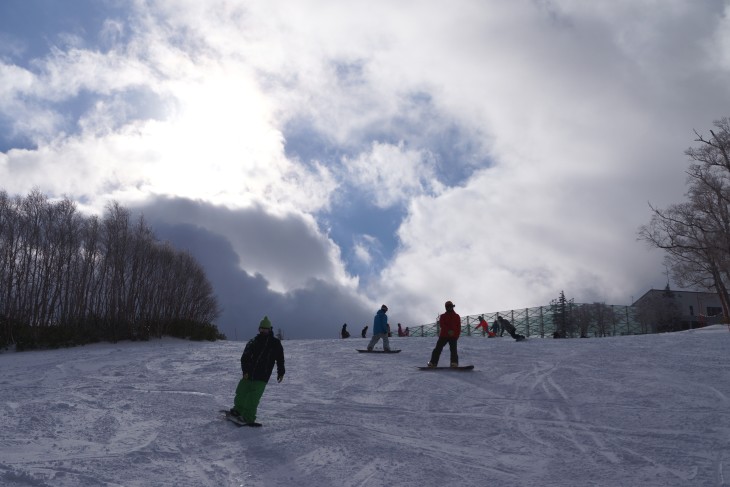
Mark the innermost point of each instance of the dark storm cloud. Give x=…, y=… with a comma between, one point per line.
x=316, y=310
x=284, y=248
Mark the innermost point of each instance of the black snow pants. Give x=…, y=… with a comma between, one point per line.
x=440, y=344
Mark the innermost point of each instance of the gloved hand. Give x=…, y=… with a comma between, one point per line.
x=245, y=376
x=279, y=378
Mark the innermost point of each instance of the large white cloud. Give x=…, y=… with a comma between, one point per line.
x=391, y=174
x=569, y=116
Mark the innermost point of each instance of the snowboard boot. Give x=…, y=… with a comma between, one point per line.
x=431, y=365
x=454, y=364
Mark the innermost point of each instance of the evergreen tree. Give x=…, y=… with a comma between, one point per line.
x=562, y=312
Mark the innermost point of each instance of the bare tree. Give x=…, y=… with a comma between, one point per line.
x=9, y=250
x=93, y=278
x=696, y=234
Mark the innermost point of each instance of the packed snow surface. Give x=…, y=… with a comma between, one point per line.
x=651, y=410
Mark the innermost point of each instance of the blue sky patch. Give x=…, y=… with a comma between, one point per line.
x=47, y=19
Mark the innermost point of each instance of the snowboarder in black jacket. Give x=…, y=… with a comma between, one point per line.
x=257, y=363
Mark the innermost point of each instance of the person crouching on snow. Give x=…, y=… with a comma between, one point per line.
x=257, y=363
x=483, y=325
x=510, y=328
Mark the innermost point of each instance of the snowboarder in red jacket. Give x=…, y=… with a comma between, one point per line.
x=450, y=329
x=483, y=325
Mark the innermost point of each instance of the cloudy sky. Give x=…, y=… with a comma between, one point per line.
x=323, y=157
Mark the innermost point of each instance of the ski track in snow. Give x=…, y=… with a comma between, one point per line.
x=642, y=410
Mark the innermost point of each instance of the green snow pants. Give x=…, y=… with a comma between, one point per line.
x=248, y=395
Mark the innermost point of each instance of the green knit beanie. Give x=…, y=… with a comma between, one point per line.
x=265, y=323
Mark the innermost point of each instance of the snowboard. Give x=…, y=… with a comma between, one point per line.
x=237, y=420
x=378, y=351
x=460, y=368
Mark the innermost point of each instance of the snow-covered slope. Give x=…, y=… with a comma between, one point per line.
x=626, y=411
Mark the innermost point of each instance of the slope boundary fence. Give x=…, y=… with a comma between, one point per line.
x=574, y=321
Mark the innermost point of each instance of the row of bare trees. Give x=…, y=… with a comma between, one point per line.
x=88, y=278
x=695, y=234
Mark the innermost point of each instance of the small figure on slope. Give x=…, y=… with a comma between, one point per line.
x=509, y=327
x=364, y=331
x=344, y=333
x=450, y=329
x=495, y=328
x=380, y=329
x=485, y=327
x=401, y=333
x=257, y=363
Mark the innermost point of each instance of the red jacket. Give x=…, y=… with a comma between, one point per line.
x=450, y=324
x=482, y=324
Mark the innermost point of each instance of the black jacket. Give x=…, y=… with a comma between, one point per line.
x=508, y=326
x=259, y=356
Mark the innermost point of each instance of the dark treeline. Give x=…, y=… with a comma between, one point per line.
x=67, y=278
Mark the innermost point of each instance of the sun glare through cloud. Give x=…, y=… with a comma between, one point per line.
x=219, y=144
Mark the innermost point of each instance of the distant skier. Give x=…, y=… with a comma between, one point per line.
x=401, y=333
x=380, y=329
x=450, y=329
x=509, y=327
x=495, y=327
x=344, y=333
x=364, y=331
x=257, y=363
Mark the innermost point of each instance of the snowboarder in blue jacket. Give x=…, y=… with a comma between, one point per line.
x=380, y=329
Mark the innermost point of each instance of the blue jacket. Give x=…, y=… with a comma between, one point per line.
x=380, y=322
